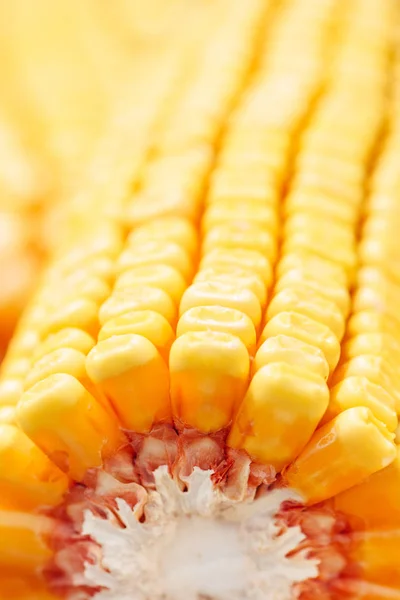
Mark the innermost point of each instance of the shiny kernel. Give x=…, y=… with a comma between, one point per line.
x=246, y=236
x=217, y=293
x=11, y=390
x=250, y=260
x=70, y=337
x=292, y=351
x=68, y=424
x=380, y=344
x=307, y=330
x=209, y=376
x=81, y=313
x=322, y=285
x=311, y=304
x=162, y=276
x=341, y=454
x=359, y=391
x=234, y=275
x=219, y=318
x=313, y=264
x=174, y=229
x=138, y=298
x=280, y=412
x=135, y=379
x=148, y=323
x=156, y=252
x=371, y=321
x=28, y=478
x=225, y=211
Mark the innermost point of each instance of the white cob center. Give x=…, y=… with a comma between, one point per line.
x=197, y=545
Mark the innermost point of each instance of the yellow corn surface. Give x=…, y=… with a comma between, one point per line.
x=224, y=257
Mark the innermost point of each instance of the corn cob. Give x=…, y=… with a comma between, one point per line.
x=201, y=400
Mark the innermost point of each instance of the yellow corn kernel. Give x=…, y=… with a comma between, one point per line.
x=377, y=554
x=307, y=330
x=22, y=541
x=156, y=252
x=78, y=312
x=292, y=351
x=99, y=238
x=376, y=369
x=328, y=246
x=218, y=293
x=380, y=344
x=341, y=454
x=245, y=235
x=359, y=391
x=70, y=337
x=11, y=389
x=314, y=203
x=382, y=489
x=78, y=283
x=303, y=222
x=68, y=424
x=262, y=192
x=237, y=276
x=314, y=265
x=62, y=360
x=162, y=276
x=209, y=376
x=280, y=412
x=138, y=298
x=15, y=367
x=98, y=266
x=135, y=379
x=225, y=211
x=311, y=304
x=28, y=478
x=371, y=321
x=321, y=284
x=250, y=260
x=147, y=323
x=219, y=318
x=8, y=415
x=174, y=229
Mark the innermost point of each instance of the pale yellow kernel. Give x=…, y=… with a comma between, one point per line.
x=174, y=229
x=225, y=211
x=292, y=351
x=138, y=298
x=135, y=379
x=219, y=318
x=250, y=260
x=234, y=275
x=80, y=283
x=156, y=252
x=307, y=330
x=70, y=337
x=11, y=390
x=245, y=235
x=80, y=313
x=8, y=415
x=280, y=412
x=28, y=478
x=380, y=344
x=359, y=391
x=217, y=293
x=321, y=284
x=209, y=376
x=309, y=303
x=371, y=321
x=147, y=323
x=162, y=276
x=341, y=454
x=68, y=424
x=310, y=262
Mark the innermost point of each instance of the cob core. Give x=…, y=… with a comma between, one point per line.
x=201, y=401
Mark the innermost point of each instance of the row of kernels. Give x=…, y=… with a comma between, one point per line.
x=158, y=261
x=130, y=360
x=300, y=343
x=221, y=312
x=174, y=180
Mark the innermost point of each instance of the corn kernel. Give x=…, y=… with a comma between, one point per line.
x=280, y=412
x=161, y=276
x=237, y=276
x=69, y=337
x=156, y=252
x=209, y=376
x=250, y=260
x=246, y=236
x=68, y=424
x=135, y=379
x=341, y=454
x=138, y=298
